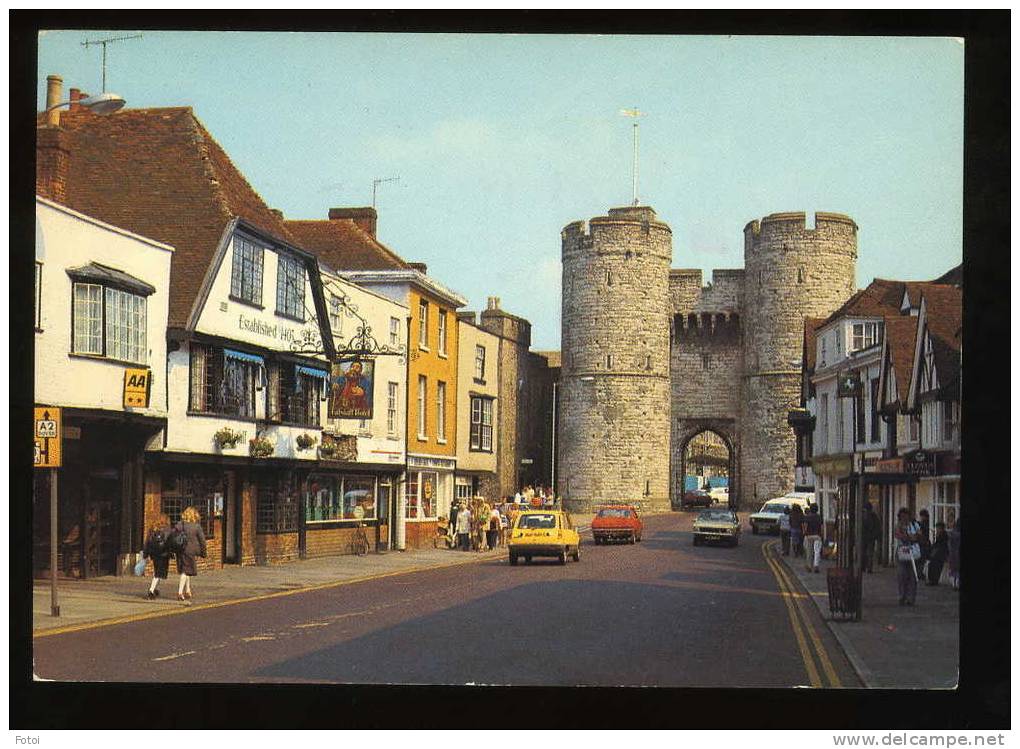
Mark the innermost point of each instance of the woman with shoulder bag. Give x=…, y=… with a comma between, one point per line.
x=194, y=546
x=908, y=551
x=156, y=550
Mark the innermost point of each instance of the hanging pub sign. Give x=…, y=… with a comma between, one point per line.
x=920, y=463
x=848, y=385
x=351, y=386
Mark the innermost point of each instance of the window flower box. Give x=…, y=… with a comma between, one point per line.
x=305, y=441
x=260, y=447
x=226, y=438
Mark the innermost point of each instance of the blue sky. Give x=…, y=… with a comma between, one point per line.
x=501, y=140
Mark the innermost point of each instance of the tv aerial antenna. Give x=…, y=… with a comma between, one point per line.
x=377, y=182
x=109, y=40
x=635, y=114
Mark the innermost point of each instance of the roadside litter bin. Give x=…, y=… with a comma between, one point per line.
x=844, y=593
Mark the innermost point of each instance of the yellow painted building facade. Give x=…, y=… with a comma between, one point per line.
x=432, y=376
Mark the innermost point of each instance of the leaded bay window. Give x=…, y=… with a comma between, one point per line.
x=331, y=498
x=192, y=487
x=277, y=508
x=295, y=393
x=110, y=322
x=223, y=381
x=290, y=287
x=481, y=424
x=246, y=272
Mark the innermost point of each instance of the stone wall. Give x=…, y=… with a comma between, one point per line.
x=614, y=392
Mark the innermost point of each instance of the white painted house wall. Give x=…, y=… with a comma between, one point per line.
x=68, y=239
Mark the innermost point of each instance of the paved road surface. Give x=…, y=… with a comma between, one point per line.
x=661, y=612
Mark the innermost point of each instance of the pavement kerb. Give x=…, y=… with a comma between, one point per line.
x=475, y=558
x=860, y=667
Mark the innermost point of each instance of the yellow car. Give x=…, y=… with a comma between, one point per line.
x=544, y=533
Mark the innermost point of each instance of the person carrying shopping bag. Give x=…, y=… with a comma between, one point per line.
x=908, y=551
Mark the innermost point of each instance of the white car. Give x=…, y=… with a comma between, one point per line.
x=720, y=494
x=766, y=520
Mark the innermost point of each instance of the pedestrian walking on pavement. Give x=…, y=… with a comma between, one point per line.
x=937, y=555
x=194, y=547
x=797, y=530
x=812, y=538
x=908, y=551
x=156, y=549
x=872, y=533
x=464, y=528
x=493, y=532
x=784, y=531
x=954, y=553
x=924, y=541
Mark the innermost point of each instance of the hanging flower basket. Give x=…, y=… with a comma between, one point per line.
x=305, y=441
x=328, y=451
x=260, y=447
x=226, y=437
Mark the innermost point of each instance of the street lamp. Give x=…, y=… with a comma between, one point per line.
x=104, y=103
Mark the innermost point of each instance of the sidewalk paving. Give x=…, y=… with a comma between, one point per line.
x=893, y=646
x=83, y=602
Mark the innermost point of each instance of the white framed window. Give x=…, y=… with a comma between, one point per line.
x=391, y=408
x=422, y=394
x=481, y=424
x=441, y=411
x=423, y=325
x=246, y=275
x=947, y=503
x=913, y=428
x=442, y=332
x=480, y=362
x=38, y=295
x=821, y=355
x=336, y=317
x=864, y=335
x=823, y=424
x=290, y=287
x=394, y=331
x=109, y=322
x=950, y=417
x=463, y=489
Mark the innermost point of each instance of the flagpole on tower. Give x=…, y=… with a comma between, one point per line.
x=634, y=113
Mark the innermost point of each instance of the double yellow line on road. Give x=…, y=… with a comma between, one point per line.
x=803, y=630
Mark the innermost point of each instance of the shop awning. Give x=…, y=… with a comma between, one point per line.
x=300, y=369
x=241, y=356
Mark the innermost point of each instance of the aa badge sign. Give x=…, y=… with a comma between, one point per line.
x=352, y=383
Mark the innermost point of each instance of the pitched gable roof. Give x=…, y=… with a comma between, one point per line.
x=900, y=335
x=159, y=173
x=811, y=326
x=943, y=320
x=344, y=245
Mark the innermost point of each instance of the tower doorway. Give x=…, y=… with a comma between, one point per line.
x=705, y=461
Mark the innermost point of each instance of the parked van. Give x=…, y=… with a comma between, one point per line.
x=766, y=520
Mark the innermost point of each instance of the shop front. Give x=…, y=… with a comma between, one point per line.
x=340, y=508
x=99, y=494
x=428, y=495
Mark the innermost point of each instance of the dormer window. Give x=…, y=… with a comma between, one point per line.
x=865, y=335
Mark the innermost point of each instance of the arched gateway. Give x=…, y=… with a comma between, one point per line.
x=683, y=464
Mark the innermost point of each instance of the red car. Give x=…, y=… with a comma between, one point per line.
x=616, y=523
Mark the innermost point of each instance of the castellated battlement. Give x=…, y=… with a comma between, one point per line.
x=724, y=294
x=792, y=226
x=630, y=231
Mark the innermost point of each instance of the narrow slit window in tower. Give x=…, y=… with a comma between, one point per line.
x=609, y=361
x=609, y=278
x=800, y=275
x=648, y=361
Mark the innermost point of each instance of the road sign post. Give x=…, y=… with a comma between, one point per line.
x=48, y=454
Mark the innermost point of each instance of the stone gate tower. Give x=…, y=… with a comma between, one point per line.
x=614, y=391
x=791, y=272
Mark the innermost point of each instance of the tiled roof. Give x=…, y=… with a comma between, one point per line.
x=901, y=337
x=944, y=318
x=953, y=277
x=158, y=173
x=343, y=245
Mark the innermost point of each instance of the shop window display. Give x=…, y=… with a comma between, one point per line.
x=330, y=498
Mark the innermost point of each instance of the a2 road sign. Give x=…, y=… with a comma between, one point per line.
x=48, y=434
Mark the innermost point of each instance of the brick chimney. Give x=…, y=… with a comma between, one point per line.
x=364, y=218
x=76, y=96
x=52, y=162
x=420, y=267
